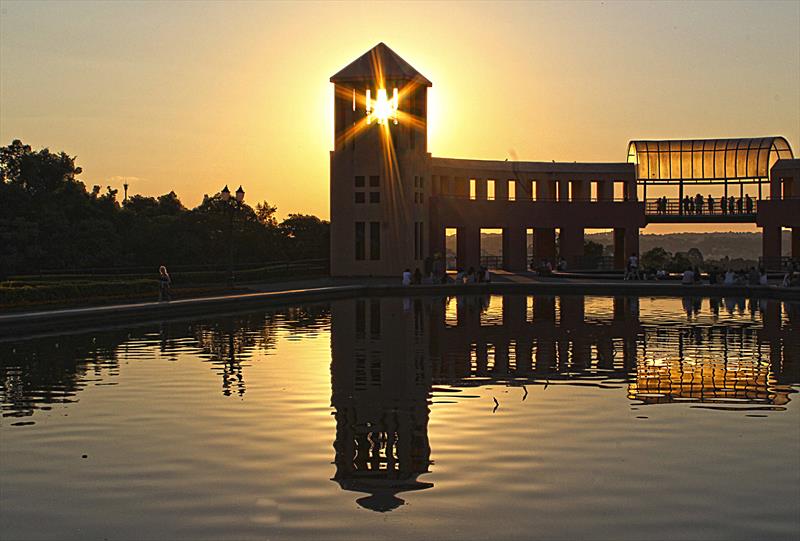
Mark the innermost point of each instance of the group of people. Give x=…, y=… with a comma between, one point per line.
x=708, y=205
x=545, y=267
x=471, y=276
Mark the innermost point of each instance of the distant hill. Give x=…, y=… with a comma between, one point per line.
x=711, y=245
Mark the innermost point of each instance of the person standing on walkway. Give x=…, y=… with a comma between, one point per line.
x=164, y=283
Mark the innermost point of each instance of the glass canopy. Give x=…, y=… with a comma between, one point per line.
x=707, y=160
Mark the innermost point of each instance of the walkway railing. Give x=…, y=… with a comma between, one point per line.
x=732, y=206
x=779, y=263
x=534, y=199
x=492, y=261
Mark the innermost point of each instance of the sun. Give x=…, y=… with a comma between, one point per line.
x=383, y=109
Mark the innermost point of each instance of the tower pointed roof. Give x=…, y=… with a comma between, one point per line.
x=366, y=68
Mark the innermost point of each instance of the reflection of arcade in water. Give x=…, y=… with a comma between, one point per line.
x=388, y=353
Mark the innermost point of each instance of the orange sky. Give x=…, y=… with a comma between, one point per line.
x=193, y=95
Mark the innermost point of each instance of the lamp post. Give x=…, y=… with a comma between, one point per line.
x=237, y=202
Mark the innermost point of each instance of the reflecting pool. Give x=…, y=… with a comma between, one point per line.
x=506, y=417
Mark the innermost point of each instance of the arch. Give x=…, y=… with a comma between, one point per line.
x=707, y=160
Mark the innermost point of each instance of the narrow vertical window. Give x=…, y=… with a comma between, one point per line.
x=490, y=190
x=416, y=240
x=473, y=188
x=374, y=241
x=360, y=240
x=512, y=190
x=421, y=241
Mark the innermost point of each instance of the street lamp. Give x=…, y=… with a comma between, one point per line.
x=237, y=202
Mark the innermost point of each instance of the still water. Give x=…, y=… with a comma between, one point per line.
x=421, y=418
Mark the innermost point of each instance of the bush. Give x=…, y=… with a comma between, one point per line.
x=20, y=293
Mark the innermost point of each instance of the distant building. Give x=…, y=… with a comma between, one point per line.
x=391, y=201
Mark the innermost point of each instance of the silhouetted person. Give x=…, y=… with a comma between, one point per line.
x=164, y=283
x=724, y=204
x=749, y=204
x=710, y=204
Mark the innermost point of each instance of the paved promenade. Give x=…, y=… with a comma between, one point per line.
x=325, y=289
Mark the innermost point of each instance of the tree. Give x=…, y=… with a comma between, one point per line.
x=265, y=213
x=695, y=256
x=50, y=220
x=657, y=258
x=307, y=236
x=592, y=249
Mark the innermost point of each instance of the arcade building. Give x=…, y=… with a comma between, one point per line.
x=392, y=202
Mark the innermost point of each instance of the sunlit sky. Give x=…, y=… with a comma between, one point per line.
x=189, y=96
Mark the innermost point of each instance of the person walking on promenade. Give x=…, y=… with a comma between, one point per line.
x=164, y=283
x=748, y=204
x=710, y=204
x=723, y=203
x=732, y=204
x=739, y=205
x=698, y=203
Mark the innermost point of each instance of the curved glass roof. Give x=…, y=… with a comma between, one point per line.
x=707, y=159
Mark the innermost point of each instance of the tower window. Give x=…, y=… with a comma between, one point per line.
x=374, y=241
x=374, y=197
x=374, y=181
x=359, y=197
x=360, y=240
x=359, y=182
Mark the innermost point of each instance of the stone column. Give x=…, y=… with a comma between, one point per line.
x=545, y=189
x=563, y=190
x=501, y=190
x=619, y=248
x=480, y=189
x=775, y=187
x=436, y=239
x=544, y=244
x=571, y=245
x=771, y=246
x=605, y=190
x=632, y=241
x=581, y=190
x=524, y=190
x=469, y=247
x=515, y=249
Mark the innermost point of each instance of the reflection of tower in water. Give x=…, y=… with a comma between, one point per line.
x=380, y=395
x=387, y=353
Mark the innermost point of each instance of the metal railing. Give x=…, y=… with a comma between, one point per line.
x=592, y=262
x=779, y=263
x=731, y=206
x=492, y=261
x=518, y=198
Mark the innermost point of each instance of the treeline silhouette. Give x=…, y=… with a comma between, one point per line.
x=49, y=220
